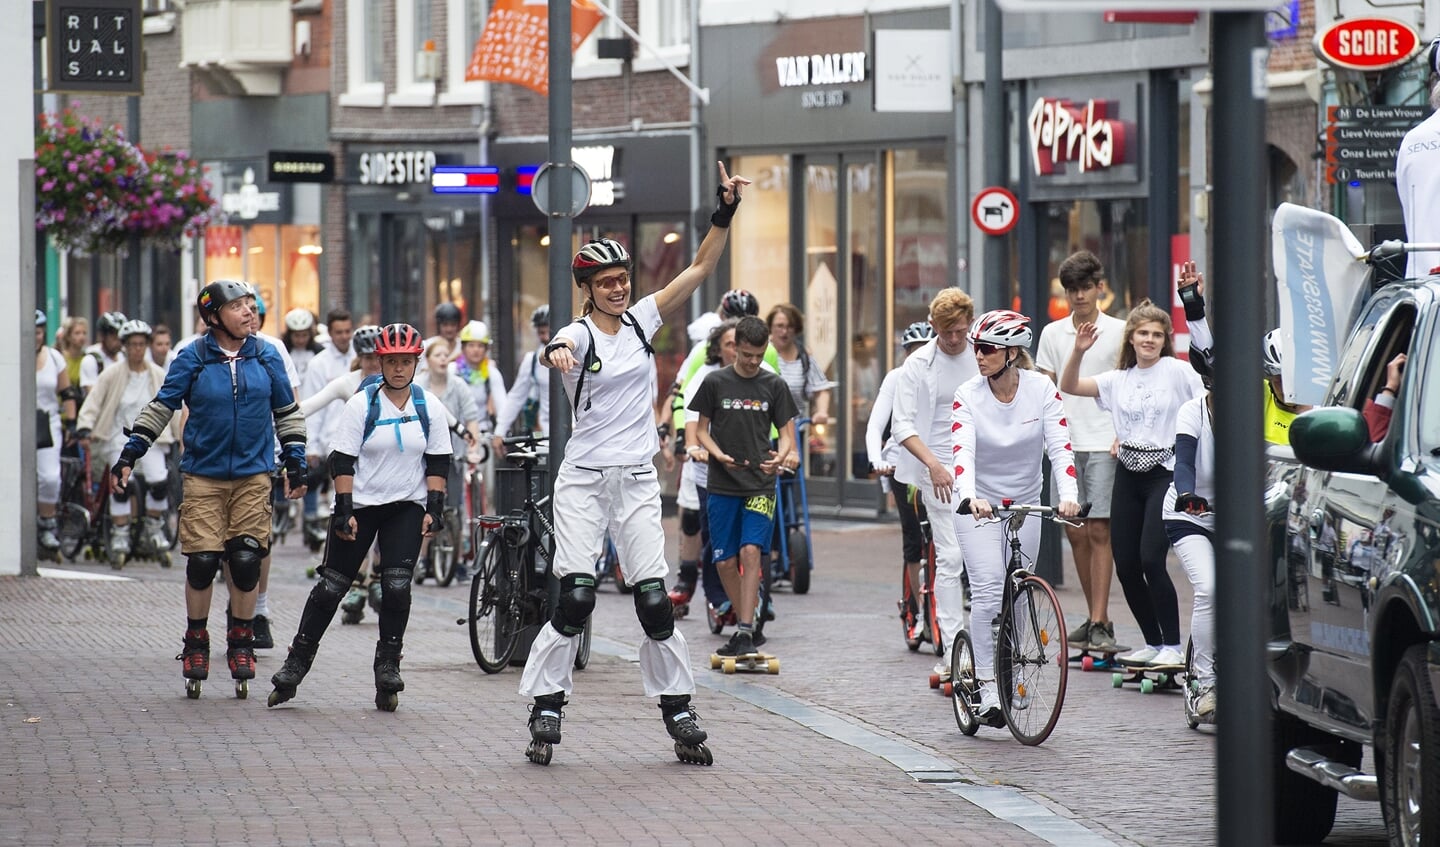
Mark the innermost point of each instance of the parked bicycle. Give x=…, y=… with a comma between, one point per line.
x=1031, y=667
x=85, y=524
x=513, y=590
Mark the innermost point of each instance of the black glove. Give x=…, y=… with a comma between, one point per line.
x=132, y=451
x=295, y=466
x=342, y=513
x=435, y=508
x=723, y=211
x=1191, y=504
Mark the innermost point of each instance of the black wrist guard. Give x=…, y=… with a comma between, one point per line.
x=1194, y=308
x=723, y=211
x=341, y=514
x=435, y=508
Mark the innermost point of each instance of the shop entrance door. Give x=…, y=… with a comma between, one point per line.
x=841, y=292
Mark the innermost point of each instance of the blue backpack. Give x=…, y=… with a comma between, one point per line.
x=371, y=386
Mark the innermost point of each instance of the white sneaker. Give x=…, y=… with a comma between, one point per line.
x=1168, y=656
x=989, y=699
x=1205, y=703
x=942, y=670
x=1143, y=656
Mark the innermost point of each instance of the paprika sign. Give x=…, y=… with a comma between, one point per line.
x=1061, y=131
x=1367, y=44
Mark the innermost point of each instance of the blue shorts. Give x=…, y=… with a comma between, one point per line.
x=737, y=521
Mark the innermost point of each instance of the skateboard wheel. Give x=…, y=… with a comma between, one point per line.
x=934, y=680
x=714, y=661
x=1147, y=686
x=774, y=666
x=728, y=665
x=948, y=689
x=1087, y=663
x=1117, y=679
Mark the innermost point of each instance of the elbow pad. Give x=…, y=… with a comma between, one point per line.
x=290, y=425
x=436, y=464
x=341, y=464
x=152, y=421
x=72, y=393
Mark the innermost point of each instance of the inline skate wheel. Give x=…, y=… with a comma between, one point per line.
x=697, y=755
x=1147, y=686
x=277, y=697
x=1193, y=721
x=540, y=752
x=117, y=562
x=310, y=572
x=164, y=560
x=192, y=689
x=1117, y=679
x=242, y=689
x=349, y=618
x=387, y=701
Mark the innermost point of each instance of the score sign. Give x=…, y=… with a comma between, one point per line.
x=995, y=210
x=1367, y=44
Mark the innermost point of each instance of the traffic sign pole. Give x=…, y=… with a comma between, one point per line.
x=562, y=227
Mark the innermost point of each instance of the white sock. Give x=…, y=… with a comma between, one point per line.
x=262, y=604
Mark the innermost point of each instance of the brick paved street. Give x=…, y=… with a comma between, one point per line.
x=103, y=748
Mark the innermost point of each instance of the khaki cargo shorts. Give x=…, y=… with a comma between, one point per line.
x=217, y=510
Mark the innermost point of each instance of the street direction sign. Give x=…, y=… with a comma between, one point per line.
x=995, y=210
x=1361, y=142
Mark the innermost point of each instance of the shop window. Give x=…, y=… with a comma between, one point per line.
x=864, y=369
x=365, y=57
x=1116, y=231
x=660, y=256
x=759, y=248
x=465, y=22
x=917, y=236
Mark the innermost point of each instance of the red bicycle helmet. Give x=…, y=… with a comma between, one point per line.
x=399, y=338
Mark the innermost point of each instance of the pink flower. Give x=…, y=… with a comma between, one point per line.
x=48, y=186
x=39, y=171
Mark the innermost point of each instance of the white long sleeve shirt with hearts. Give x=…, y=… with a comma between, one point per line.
x=997, y=447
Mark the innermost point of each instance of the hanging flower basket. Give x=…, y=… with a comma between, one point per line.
x=94, y=189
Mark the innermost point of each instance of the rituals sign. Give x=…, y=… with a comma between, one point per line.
x=95, y=46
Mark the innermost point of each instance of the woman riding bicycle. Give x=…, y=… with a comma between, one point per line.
x=1005, y=420
x=389, y=460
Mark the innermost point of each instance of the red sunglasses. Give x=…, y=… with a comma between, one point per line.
x=987, y=349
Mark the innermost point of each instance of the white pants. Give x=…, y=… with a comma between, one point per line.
x=949, y=564
x=986, y=552
x=152, y=467
x=587, y=503
x=1197, y=555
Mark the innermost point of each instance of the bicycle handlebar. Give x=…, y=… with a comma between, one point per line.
x=523, y=439
x=1024, y=509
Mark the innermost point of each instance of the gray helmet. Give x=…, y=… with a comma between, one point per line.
x=1270, y=354
x=135, y=327
x=110, y=322
x=365, y=339
x=447, y=313
x=917, y=333
x=214, y=296
x=541, y=315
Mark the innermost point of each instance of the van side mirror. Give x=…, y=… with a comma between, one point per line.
x=1333, y=438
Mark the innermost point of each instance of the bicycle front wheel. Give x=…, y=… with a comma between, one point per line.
x=494, y=608
x=445, y=549
x=964, y=687
x=72, y=527
x=1030, y=661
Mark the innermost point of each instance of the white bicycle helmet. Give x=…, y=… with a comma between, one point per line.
x=598, y=255
x=917, y=333
x=1003, y=328
x=135, y=327
x=110, y=322
x=475, y=331
x=299, y=320
x=1270, y=356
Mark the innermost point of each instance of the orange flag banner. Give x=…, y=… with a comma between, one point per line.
x=515, y=46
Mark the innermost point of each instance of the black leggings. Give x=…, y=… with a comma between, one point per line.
x=398, y=527
x=912, y=543
x=1139, y=545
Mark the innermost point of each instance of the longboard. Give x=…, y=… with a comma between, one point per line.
x=748, y=662
x=1150, y=677
x=1092, y=659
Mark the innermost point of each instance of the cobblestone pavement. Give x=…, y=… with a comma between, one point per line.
x=847, y=745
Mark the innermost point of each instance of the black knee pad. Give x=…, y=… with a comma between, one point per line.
x=330, y=589
x=245, y=553
x=577, y=601
x=653, y=608
x=395, y=589
x=690, y=521
x=200, y=569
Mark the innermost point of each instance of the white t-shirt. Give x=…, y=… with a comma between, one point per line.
x=90, y=369
x=390, y=465
x=1090, y=427
x=1417, y=178
x=1143, y=402
x=803, y=383
x=1194, y=419
x=614, y=421
x=950, y=373
x=997, y=447
x=699, y=471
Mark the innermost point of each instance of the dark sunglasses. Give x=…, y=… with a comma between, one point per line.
x=987, y=349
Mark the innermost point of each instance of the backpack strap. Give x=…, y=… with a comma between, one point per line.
x=372, y=413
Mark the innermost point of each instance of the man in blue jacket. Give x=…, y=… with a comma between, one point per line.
x=239, y=401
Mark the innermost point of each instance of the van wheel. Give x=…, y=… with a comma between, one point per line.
x=1409, y=778
x=1304, y=810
